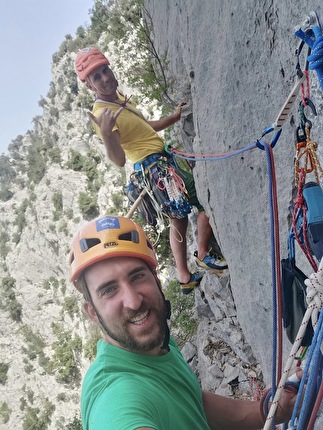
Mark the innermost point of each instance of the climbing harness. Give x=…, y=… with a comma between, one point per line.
x=145, y=206
x=158, y=174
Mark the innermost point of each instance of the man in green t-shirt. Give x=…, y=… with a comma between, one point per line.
x=127, y=135
x=139, y=379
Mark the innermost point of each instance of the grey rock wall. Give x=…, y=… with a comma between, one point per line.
x=235, y=64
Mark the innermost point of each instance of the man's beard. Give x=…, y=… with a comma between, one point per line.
x=129, y=343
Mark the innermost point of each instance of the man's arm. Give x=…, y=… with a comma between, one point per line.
x=231, y=414
x=163, y=123
x=106, y=121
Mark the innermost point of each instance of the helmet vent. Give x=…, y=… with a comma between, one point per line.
x=86, y=244
x=132, y=236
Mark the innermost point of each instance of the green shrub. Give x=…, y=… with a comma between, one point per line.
x=4, y=367
x=63, y=286
x=7, y=173
x=84, y=163
x=66, y=349
x=38, y=419
x=61, y=397
x=4, y=240
x=89, y=349
x=51, y=282
x=54, y=112
x=5, y=193
x=20, y=221
x=75, y=424
x=42, y=102
x=5, y=412
x=57, y=200
x=62, y=228
x=34, y=345
x=70, y=306
x=29, y=368
x=183, y=321
x=55, y=155
x=88, y=205
x=75, y=161
x=15, y=145
x=36, y=161
x=8, y=300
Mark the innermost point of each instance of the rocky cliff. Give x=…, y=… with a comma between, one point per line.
x=234, y=64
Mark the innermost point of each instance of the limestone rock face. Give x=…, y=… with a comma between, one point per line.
x=235, y=64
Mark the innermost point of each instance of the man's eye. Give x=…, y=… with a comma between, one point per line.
x=137, y=276
x=107, y=291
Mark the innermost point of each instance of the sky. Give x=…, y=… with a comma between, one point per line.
x=31, y=31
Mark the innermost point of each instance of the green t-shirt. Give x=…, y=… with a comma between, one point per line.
x=126, y=391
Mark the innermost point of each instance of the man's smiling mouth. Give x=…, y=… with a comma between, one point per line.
x=140, y=319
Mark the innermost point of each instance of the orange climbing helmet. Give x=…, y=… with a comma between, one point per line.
x=87, y=60
x=107, y=237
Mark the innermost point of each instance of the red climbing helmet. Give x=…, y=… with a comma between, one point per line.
x=87, y=60
x=107, y=237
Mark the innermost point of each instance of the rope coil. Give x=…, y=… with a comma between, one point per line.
x=314, y=293
x=315, y=300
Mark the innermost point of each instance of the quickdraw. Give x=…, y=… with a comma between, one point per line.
x=306, y=147
x=308, y=205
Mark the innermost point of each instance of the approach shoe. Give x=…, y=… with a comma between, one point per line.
x=211, y=262
x=194, y=281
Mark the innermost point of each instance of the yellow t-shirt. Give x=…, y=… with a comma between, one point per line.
x=137, y=137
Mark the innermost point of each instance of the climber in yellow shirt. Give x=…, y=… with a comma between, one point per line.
x=128, y=135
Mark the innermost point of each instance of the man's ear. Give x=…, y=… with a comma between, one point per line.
x=90, y=311
x=88, y=84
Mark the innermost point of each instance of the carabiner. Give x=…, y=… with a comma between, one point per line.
x=304, y=122
x=308, y=102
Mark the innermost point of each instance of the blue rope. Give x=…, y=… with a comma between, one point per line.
x=314, y=367
x=216, y=157
x=315, y=41
x=262, y=146
x=313, y=357
x=273, y=271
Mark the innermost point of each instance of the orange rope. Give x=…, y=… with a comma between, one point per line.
x=307, y=150
x=299, y=204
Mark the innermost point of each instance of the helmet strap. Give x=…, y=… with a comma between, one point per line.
x=167, y=331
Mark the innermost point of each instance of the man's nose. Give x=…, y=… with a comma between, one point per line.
x=132, y=298
x=108, y=78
